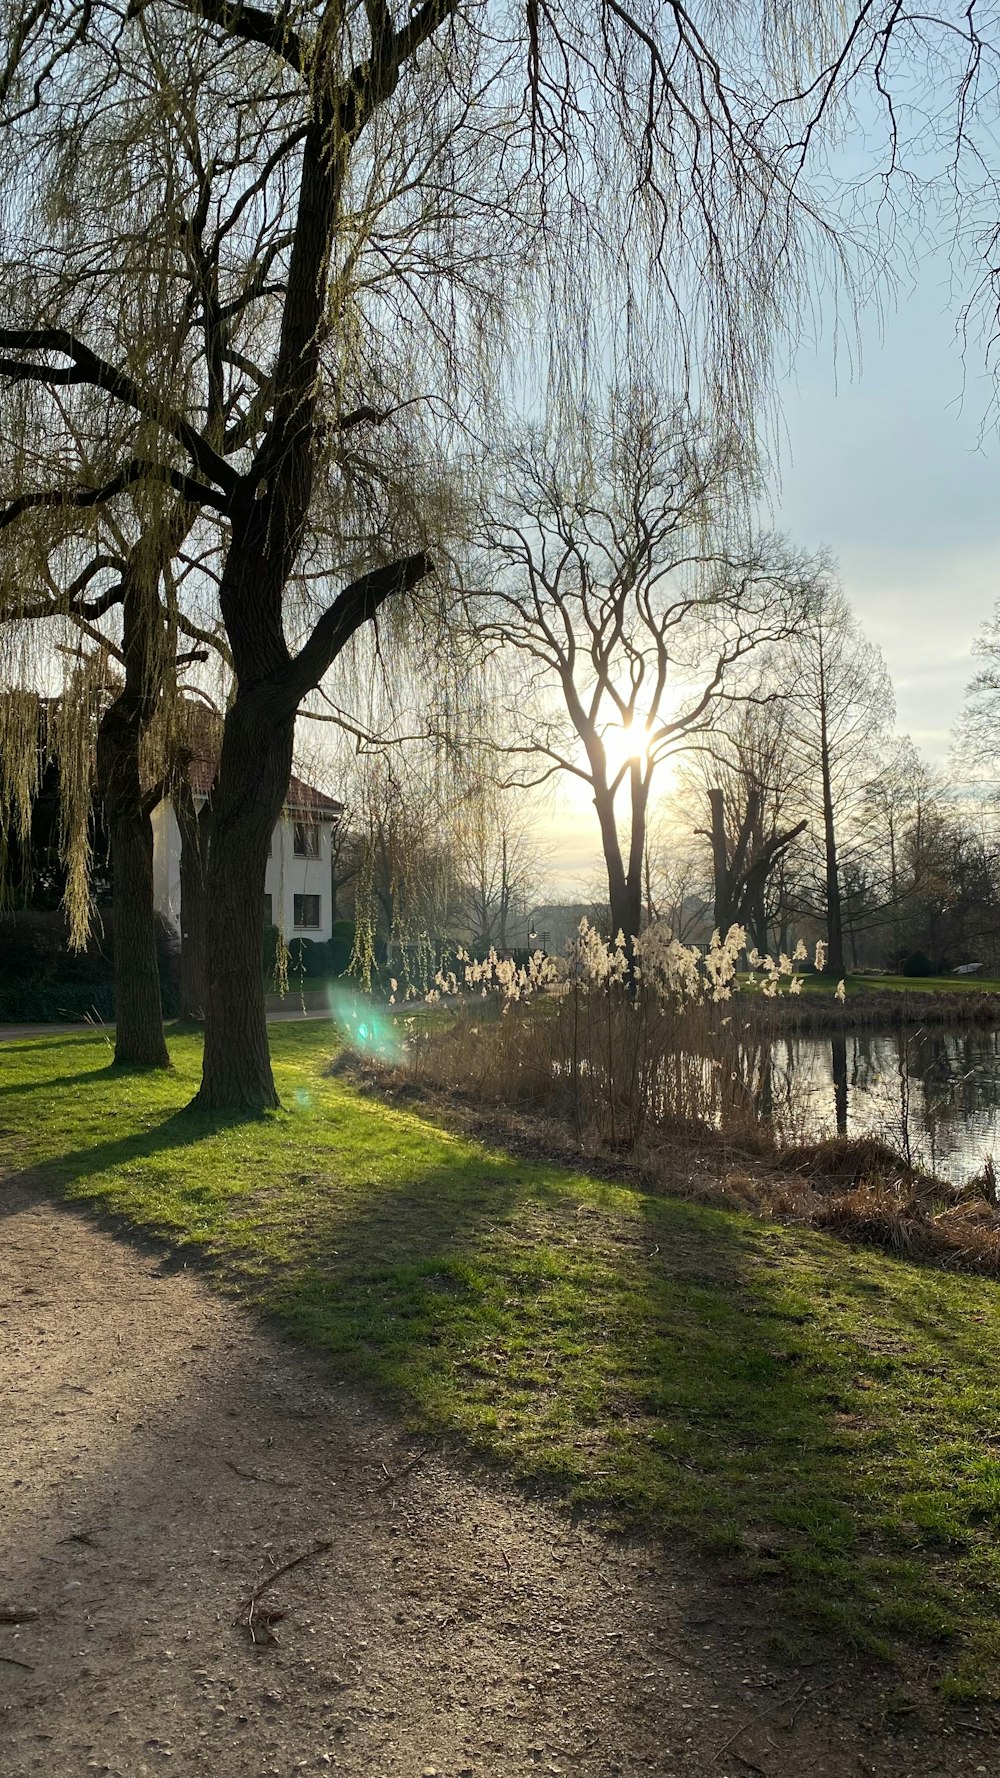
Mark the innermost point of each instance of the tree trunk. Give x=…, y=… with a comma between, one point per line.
x=834, y=916
x=252, y=785
x=722, y=912
x=757, y=922
x=252, y=781
x=194, y=832
x=139, y=1040
x=624, y=892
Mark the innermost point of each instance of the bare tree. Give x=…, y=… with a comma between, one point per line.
x=747, y=769
x=407, y=895
x=499, y=866
x=977, y=733
x=677, y=884
x=840, y=706
x=630, y=588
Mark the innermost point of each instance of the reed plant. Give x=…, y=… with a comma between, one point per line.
x=618, y=1039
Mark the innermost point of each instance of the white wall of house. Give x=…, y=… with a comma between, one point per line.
x=298, y=886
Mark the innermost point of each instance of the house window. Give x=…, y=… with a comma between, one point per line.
x=306, y=910
x=268, y=915
x=306, y=842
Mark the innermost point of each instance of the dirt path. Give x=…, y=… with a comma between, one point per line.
x=161, y=1454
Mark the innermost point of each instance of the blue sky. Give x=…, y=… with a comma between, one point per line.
x=888, y=464
x=885, y=460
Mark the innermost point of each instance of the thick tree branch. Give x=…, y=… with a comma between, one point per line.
x=356, y=605
x=127, y=476
x=89, y=610
x=251, y=23
x=87, y=367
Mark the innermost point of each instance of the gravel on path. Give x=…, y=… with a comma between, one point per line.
x=162, y=1454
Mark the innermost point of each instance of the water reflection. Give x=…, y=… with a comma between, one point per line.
x=933, y=1093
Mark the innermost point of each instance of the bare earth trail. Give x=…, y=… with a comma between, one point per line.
x=161, y=1453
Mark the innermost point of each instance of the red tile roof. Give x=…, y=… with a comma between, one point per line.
x=205, y=740
x=305, y=797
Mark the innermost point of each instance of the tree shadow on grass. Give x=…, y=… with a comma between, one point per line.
x=76, y=1175
x=91, y=1077
x=644, y=1358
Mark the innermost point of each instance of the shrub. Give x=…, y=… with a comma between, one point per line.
x=33, y=948
x=310, y=958
x=917, y=963
x=341, y=946
x=43, y=981
x=30, y=1003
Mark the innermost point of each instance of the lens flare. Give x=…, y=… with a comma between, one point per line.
x=363, y=1028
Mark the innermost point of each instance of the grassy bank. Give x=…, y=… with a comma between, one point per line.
x=879, y=983
x=882, y=1002
x=821, y=1419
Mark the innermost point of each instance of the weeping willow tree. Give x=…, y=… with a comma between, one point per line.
x=341, y=233
x=36, y=731
x=106, y=594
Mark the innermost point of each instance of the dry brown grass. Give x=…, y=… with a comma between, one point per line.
x=964, y=1236
x=886, y=1009
x=612, y=1065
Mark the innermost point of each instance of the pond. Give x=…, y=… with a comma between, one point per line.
x=932, y=1093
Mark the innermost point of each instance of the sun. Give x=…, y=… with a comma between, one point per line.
x=625, y=742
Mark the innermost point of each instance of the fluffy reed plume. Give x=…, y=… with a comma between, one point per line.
x=612, y=1043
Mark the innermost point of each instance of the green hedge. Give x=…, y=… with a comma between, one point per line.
x=37, y=1003
x=309, y=957
x=29, y=1003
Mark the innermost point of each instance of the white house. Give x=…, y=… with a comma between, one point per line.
x=298, y=883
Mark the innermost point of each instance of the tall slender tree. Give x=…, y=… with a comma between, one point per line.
x=840, y=705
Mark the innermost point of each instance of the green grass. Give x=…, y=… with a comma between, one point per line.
x=824, y=1421
x=903, y=984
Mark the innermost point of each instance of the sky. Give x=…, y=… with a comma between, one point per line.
x=886, y=461
x=891, y=467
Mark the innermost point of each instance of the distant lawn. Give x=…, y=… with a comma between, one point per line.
x=824, y=1420
x=904, y=984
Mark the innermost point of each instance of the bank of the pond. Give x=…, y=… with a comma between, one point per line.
x=893, y=1005
x=820, y=1419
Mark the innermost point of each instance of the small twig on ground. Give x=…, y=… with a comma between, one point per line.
x=780, y=1704
x=750, y=1764
x=249, y=1475
x=11, y=1662
x=801, y=1701
x=254, y=1621
x=383, y=1487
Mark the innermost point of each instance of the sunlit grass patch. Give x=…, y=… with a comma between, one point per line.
x=821, y=1420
